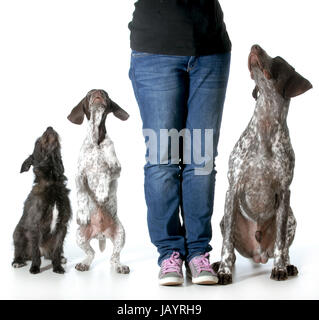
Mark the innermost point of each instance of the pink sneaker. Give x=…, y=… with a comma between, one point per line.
x=171, y=271
x=200, y=270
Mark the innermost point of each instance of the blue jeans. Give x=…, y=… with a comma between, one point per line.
x=178, y=92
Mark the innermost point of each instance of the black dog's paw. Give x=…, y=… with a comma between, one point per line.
x=82, y=267
x=34, y=269
x=292, y=270
x=58, y=269
x=279, y=274
x=215, y=266
x=18, y=264
x=224, y=278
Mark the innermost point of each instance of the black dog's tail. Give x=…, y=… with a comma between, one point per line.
x=258, y=236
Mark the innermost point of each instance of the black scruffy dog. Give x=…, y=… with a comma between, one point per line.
x=47, y=211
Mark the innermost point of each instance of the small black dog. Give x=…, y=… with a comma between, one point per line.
x=47, y=210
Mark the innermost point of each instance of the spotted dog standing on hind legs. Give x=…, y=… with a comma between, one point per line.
x=258, y=221
x=96, y=180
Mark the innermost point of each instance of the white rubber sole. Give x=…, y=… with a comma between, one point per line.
x=210, y=280
x=205, y=280
x=171, y=281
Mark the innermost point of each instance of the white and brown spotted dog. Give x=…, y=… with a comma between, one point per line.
x=258, y=219
x=96, y=180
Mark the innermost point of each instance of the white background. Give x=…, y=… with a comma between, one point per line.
x=53, y=52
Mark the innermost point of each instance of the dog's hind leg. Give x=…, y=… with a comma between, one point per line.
x=20, y=243
x=84, y=244
x=118, y=240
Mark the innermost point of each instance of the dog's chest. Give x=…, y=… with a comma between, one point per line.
x=54, y=220
x=250, y=160
x=94, y=158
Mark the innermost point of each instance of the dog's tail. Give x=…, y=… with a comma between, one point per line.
x=102, y=245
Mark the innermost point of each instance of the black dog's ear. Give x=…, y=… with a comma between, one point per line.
x=295, y=86
x=118, y=111
x=77, y=114
x=26, y=164
x=255, y=92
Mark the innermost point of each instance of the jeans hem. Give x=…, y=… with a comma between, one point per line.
x=167, y=255
x=198, y=253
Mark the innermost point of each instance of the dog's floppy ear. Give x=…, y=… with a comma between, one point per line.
x=255, y=92
x=295, y=86
x=118, y=111
x=27, y=164
x=77, y=114
x=102, y=129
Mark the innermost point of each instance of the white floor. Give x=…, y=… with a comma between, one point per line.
x=250, y=281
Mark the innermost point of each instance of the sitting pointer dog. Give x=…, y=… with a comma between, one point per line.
x=47, y=211
x=96, y=181
x=258, y=221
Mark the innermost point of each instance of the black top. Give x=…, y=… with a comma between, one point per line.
x=179, y=27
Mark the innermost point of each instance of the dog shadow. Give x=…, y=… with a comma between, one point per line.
x=253, y=273
x=240, y=278
x=46, y=268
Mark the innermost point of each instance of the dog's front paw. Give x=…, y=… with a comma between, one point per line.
x=82, y=218
x=34, y=269
x=58, y=269
x=224, y=278
x=122, y=269
x=292, y=270
x=114, y=165
x=82, y=267
x=115, y=170
x=279, y=274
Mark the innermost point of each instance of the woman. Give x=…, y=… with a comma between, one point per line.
x=179, y=71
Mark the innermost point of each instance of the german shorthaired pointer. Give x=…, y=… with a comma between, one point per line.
x=47, y=211
x=258, y=221
x=96, y=181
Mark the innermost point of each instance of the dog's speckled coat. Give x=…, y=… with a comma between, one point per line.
x=258, y=220
x=96, y=180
